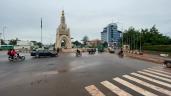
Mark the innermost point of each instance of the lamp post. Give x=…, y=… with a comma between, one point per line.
x=41, y=27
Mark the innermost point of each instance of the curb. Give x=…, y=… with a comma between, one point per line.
x=158, y=61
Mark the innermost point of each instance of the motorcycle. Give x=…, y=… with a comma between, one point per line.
x=78, y=54
x=16, y=58
x=167, y=63
x=121, y=54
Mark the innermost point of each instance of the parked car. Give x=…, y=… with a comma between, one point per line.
x=167, y=63
x=43, y=53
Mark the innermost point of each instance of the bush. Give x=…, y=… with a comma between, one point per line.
x=160, y=48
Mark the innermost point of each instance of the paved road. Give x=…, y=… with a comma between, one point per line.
x=89, y=75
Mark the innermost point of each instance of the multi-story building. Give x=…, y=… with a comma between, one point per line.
x=111, y=35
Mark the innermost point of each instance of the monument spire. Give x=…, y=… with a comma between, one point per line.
x=63, y=34
x=63, y=18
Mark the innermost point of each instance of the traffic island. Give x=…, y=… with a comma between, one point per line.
x=146, y=57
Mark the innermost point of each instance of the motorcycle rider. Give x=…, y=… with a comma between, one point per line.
x=121, y=53
x=13, y=53
x=9, y=52
x=78, y=52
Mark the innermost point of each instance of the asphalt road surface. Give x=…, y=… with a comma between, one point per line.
x=90, y=75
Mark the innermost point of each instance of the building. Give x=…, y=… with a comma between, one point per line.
x=104, y=35
x=24, y=45
x=93, y=43
x=111, y=35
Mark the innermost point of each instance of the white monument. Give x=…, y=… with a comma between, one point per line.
x=63, y=38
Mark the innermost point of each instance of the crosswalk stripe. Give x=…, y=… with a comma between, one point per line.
x=94, y=91
x=155, y=76
x=158, y=73
x=158, y=67
x=134, y=87
x=152, y=80
x=162, y=90
x=115, y=89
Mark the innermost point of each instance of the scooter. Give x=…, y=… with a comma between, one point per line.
x=121, y=54
x=167, y=63
x=78, y=54
x=16, y=58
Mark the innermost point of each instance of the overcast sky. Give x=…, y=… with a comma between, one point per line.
x=84, y=17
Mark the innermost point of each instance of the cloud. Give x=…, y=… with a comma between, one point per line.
x=84, y=17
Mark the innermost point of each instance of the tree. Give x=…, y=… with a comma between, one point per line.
x=13, y=42
x=85, y=40
x=145, y=37
x=39, y=44
x=77, y=43
x=105, y=44
x=35, y=43
x=2, y=42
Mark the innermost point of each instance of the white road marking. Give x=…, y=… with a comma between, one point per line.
x=160, y=71
x=94, y=91
x=115, y=89
x=168, y=76
x=155, y=76
x=162, y=90
x=134, y=87
x=152, y=80
x=47, y=73
x=158, y=67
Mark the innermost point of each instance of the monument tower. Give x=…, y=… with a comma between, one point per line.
x=63, y=38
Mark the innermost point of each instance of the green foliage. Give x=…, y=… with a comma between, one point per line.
x=85, y=39
x=160, y=48
x=144, y=37
x=2, y=42
x=35, y=43
x=105, y=44
x=77, y=43
x=40, y=44
x=13, y=42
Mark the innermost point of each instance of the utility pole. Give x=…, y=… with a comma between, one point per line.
x=122, y=38
x=41, y=30
x=140, y=43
